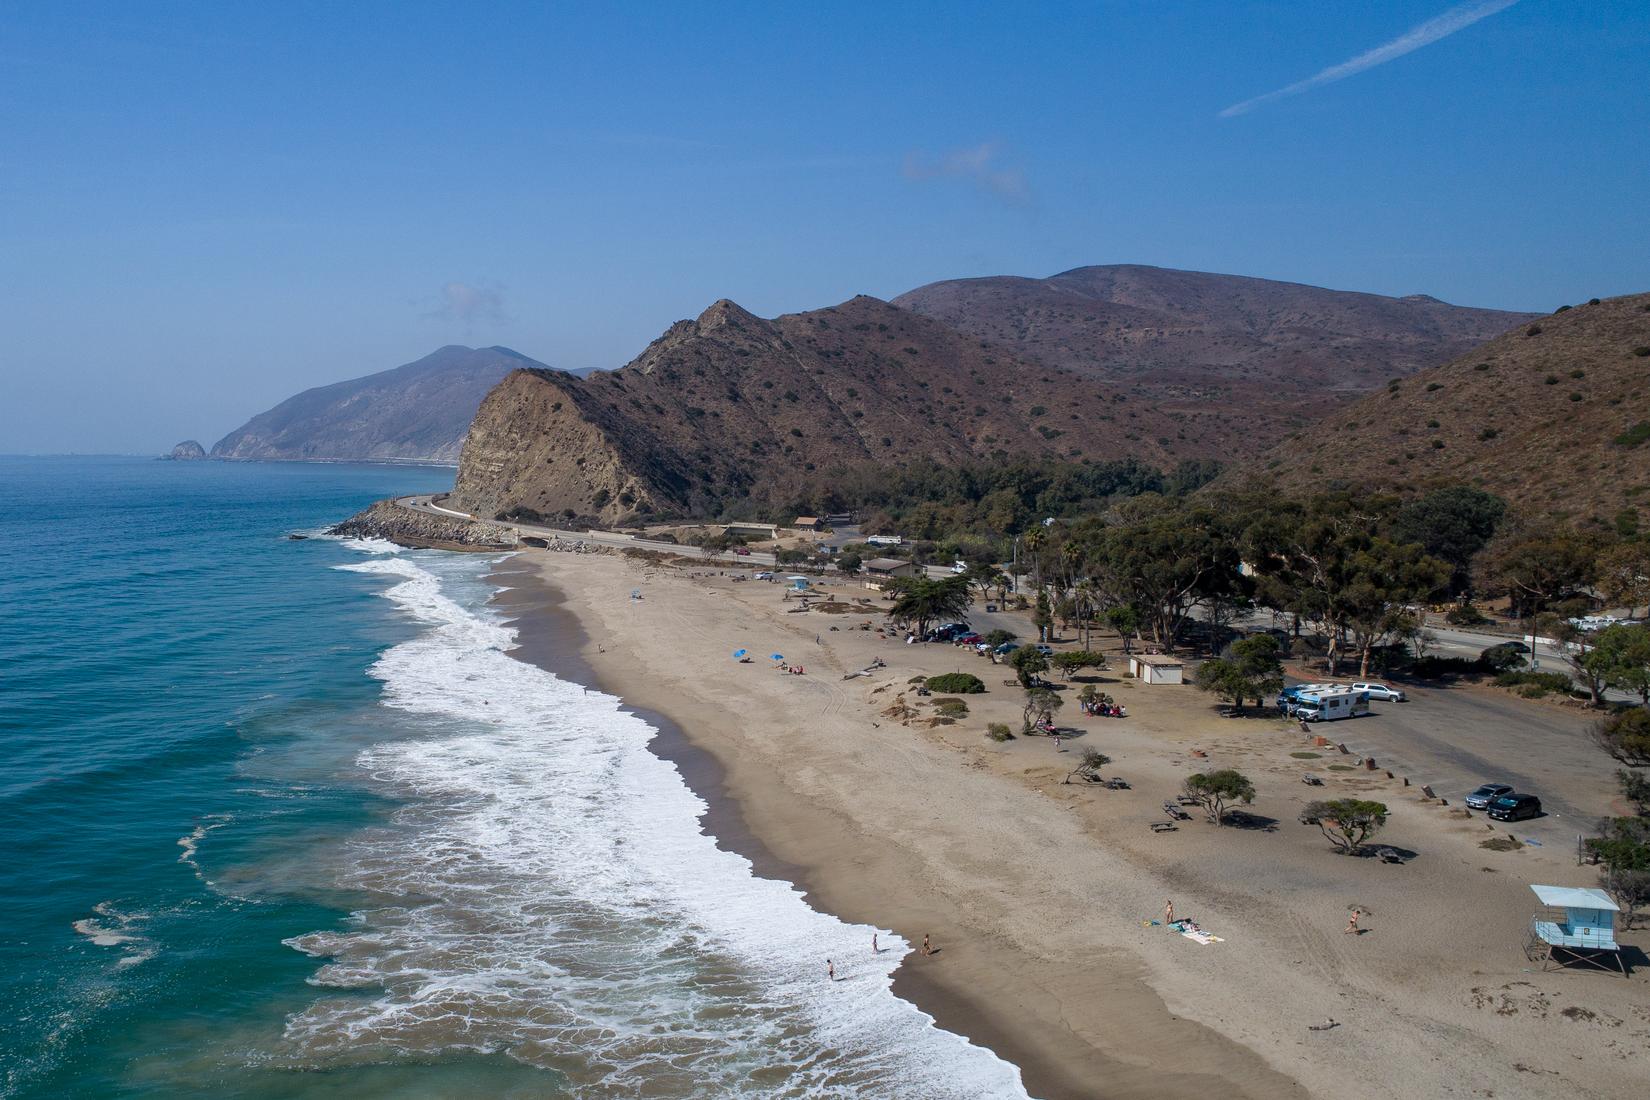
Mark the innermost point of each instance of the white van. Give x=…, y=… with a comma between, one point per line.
x=1326, y=706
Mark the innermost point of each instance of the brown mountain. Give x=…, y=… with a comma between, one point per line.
x=730, y=407
x=414, y=413
x=1187, y=340
x=1554, y=416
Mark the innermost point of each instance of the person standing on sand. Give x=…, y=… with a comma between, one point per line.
x=927, y=948
x=1351, y=928
x=875, y=950
x=830, y=970
x=1168, y=911
x=1057, y=747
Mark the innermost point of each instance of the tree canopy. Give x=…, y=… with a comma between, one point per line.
x=1346, y=822
x=1218, y=790
x=1249, y=670
x=923, y=601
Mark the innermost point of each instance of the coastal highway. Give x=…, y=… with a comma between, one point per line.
x=426, y=503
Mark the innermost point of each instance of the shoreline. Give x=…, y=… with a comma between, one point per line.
x=1000, y=998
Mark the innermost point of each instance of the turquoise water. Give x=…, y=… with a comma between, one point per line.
x=160, y=637
x=284, y=819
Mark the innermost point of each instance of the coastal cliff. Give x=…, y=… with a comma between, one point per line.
x=387, y=520
x=729, y=409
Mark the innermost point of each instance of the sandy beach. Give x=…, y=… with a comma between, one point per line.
x=1040, y=895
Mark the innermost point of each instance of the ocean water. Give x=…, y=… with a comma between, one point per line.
x=284, y=818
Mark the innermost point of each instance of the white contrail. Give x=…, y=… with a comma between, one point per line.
x=1457, y=18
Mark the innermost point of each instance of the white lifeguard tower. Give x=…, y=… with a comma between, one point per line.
x=1578, y=926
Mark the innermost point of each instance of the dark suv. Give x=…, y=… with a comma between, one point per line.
x=1514, y=807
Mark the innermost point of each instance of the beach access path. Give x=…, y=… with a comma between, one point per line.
x=1042, y=894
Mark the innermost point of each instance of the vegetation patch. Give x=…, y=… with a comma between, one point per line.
x=951, y=708
x=1307, y=755
x=1635, y=435
x=1501, y=844
x=956, y=683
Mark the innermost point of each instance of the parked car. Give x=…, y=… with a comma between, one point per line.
x=1381, y=691
x=1006, y=648
x=1045, y=649
x=1489, y=792
x=1505, y=655
x=763, y=576
x=970, y=638
x=1514, y=807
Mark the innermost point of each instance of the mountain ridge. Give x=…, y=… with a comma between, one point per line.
x=727, y=408
x=1554, y=416
x=418, y=412
x=1291, y=352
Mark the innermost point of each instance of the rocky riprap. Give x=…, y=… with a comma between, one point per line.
x=388, y=520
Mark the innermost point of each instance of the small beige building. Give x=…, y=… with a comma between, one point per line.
x=1152, y=668
x=879, y=571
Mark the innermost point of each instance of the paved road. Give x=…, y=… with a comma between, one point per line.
x=1455, y=738
x=426, y=503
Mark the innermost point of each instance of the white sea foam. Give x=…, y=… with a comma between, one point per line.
x=550, y=893
x=112, y=927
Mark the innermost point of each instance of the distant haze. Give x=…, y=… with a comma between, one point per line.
x=208, y=209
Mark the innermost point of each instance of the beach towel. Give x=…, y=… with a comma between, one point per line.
x=1202, y=937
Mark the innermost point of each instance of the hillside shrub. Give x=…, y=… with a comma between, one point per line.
x=1488, y=434
x=951, y=708
x=1535, y=685
x=1533, y=330
x=999, y=731
x=1464, y=615
x=1642, y=351
x=1635, y=435
x=956, y=683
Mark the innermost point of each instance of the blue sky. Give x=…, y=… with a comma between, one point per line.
x=205, y=208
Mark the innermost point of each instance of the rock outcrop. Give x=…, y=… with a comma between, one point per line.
x=729, y=408
x=387, y=520
x=414, y=413
x=186, y=451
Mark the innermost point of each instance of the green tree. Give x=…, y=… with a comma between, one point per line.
x=1249, y=670
x=1218, y=790
x=1073, y=660
x=1027, y=663
x=985, y=576
x=1384, y=578
x=1164, y=558
x=1452, y=525
x=1539, y=567
x=1089, y=765
x=1346, y=822
x=1625, y=736
x=922, y=601
x=849, y=562
x=1126, y=621
x=998, y=637
x=1043, y=616
x=1621, y=655
x=1040, y=707
x=1324, y=563
x=1624, y=574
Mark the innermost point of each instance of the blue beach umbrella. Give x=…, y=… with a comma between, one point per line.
x=738, y=653
x=776, y=656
